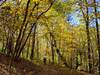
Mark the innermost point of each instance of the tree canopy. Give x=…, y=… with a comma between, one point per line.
x=62, y=32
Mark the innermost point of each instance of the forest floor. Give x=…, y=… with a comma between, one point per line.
x=25, y=67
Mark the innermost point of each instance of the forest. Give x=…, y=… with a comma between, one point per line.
x=49, y=37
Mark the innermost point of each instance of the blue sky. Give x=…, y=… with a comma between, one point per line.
x=74, y=17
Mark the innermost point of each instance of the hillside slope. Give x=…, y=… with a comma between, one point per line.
x=25, y=67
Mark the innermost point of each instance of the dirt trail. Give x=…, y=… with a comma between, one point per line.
x=25, y=67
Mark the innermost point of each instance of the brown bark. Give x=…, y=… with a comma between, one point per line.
x=86, y=18
x=20, y=31
x=33, y=43
x=97, y=29
x=38, y=17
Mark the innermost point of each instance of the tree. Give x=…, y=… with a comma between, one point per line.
x=86, y=17
x=97, y=29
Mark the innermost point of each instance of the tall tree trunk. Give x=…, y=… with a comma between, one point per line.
x=19, y=49
x=21, y=29
x=9, y=45
x=37, y=49
x=28, y=48
x=97, y=29
x=33, y=43
x=3, y=44
x=58, y=51
x=86, y=17
x=88, y=41
x=52, y=49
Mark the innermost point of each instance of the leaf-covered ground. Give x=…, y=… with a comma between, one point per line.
x=25, y=67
